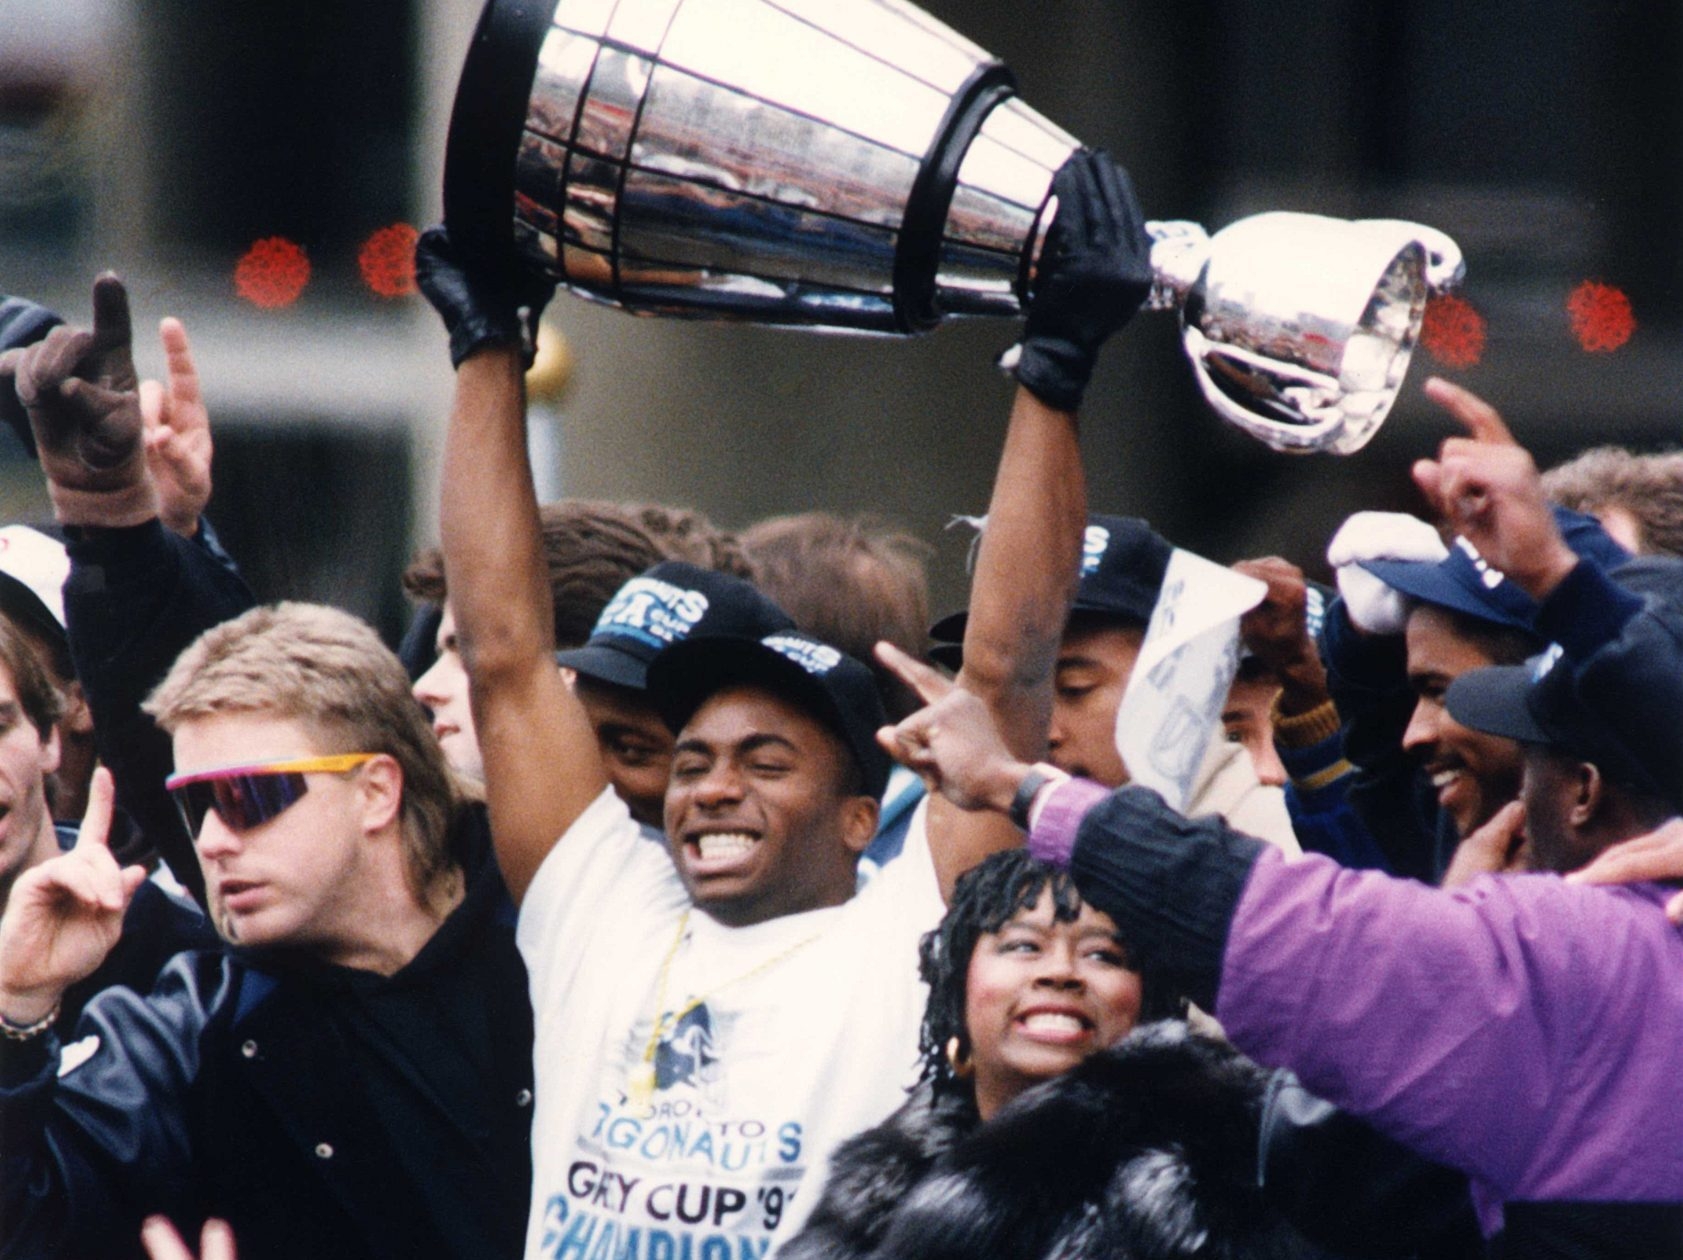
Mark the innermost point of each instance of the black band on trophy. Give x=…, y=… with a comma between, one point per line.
x=917, y=253
x=485, y=126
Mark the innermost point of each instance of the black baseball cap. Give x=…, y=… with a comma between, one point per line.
x=664, y=605
x=22, y=323
x=826, y=682
x=1540, y=702
x=1462, y=581
x=1123, y=561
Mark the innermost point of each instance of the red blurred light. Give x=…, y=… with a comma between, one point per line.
x=387, y=259
x=1453, y=331
x=272, y=273
x=1602, y=320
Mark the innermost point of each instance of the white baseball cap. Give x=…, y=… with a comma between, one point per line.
x=32, y=572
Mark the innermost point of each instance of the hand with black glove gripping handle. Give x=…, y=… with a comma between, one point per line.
x=479, y=307
x=1095, y=272
x=82, y=395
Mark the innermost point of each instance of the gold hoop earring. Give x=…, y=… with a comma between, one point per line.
x=958, y=1058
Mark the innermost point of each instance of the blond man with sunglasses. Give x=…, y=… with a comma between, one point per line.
x=353, y=1078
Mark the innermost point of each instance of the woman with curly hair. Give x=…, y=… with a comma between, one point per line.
x=1049, y=1120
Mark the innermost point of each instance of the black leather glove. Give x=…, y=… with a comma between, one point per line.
x=83, y=398
x=22, y=323
x=1095, y=272
x=479, y=307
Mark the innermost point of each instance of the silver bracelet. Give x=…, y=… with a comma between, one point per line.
x=28, y=1032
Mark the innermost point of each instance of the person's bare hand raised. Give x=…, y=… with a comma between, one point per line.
x=1487, y=487
x=164, y=1242
x=64, y=915
x=177, y=433
x=951, y=743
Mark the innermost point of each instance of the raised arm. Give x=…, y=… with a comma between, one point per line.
x=137, y=594
x=542, y=767
x=1095, y=274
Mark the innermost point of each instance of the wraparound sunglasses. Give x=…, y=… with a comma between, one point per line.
x=244, y=796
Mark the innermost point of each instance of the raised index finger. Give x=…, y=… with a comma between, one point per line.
x=95, y=832
x=928, y=682
x=1482, y=421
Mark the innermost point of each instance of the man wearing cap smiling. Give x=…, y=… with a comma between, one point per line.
x=1413, y=615
x=713, y=1020
x=673, y=601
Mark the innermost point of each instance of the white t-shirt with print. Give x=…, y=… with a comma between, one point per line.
x=806, y=1034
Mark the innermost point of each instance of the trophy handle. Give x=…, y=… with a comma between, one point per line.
x=1310, y=391
x=1445, y=267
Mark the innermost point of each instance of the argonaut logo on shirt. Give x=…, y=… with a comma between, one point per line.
x=685, y=1055
x=655, y=612
x=810, y=655
x=1094, y=543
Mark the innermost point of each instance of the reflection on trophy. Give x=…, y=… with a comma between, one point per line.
x=856, y=165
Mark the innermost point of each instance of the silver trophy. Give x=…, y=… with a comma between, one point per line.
x=856, y=165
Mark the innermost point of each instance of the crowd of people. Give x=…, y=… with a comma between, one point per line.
x=675, y=894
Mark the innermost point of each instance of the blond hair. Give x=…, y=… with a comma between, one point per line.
x=330, y=672
x=1649, y=487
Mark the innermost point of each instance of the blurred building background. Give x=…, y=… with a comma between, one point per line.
x=164, y=138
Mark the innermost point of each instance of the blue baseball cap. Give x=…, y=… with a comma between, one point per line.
x=667, y=604
x=1462, y=581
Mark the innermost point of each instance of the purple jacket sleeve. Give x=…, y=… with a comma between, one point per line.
x=1455, y=1021
x=1171, y=883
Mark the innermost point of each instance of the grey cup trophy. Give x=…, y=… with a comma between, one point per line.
x=856, y=165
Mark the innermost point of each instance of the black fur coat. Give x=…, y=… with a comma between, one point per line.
x=1147, y=1151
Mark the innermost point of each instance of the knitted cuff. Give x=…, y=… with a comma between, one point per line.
x=1302, y=730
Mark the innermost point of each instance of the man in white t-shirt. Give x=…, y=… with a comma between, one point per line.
x=712, y=1020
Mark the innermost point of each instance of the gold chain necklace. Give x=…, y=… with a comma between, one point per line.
x=641, y=1081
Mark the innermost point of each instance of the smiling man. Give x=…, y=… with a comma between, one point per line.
x=713, y=1019
x=351, y=1079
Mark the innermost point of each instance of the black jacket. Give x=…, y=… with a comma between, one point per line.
x=135, y=598
x=1145, y=1150
x=325, y=1113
